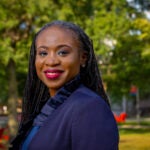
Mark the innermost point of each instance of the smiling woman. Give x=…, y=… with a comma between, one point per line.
x=65, y=106
x=58, y=58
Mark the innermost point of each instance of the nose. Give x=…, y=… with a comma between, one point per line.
x=52, y=60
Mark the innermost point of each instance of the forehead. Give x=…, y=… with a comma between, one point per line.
x=60, y=33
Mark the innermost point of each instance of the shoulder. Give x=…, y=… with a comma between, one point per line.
x=93, y=118
x=84, y=96
x=87, y=102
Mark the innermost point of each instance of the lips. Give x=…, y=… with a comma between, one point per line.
x=53, y=74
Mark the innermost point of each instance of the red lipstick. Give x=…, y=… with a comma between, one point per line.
x=53, y=74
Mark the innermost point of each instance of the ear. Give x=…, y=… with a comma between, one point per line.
x=83, y=58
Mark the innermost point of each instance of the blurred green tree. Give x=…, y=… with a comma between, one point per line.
x=121, y=33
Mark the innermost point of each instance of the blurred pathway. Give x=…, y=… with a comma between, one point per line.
x=132, y=123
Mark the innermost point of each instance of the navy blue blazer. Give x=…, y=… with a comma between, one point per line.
x=83, y=122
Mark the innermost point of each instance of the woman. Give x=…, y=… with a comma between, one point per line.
x=65, y=106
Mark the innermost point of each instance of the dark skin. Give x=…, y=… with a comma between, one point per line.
x=58, y=57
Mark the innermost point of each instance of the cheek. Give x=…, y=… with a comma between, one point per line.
x=74, y=65
x=38, y=64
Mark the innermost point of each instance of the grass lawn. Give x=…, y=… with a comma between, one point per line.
x=134, y=139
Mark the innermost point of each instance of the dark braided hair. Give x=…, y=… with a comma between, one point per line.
x=36, y=93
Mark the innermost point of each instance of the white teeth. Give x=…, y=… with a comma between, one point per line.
x=51, y=73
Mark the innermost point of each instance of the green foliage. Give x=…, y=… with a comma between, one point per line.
x=3, y=85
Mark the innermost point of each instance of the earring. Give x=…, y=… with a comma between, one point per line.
x=83, y=65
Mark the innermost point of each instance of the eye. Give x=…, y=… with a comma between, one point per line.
x=63, y=52
x=42, y=53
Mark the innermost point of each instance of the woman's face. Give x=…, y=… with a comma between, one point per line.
x=58, y=58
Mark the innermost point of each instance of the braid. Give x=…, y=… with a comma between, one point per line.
x=90, y=75
x=36, y=93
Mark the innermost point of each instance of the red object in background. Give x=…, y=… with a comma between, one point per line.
x=120, y=118
x=133, y=89
x=3, y=137
x=1, y=132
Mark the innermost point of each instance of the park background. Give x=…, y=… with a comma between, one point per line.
x=120, y=30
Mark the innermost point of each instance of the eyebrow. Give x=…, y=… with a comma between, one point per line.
x=64, y=45
x=59, y=46
x=45, y=47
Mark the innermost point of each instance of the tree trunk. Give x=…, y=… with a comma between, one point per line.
x=12, y=99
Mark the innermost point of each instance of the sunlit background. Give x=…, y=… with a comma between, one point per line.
x=120, y=30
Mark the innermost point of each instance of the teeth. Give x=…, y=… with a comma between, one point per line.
x=51, y=73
